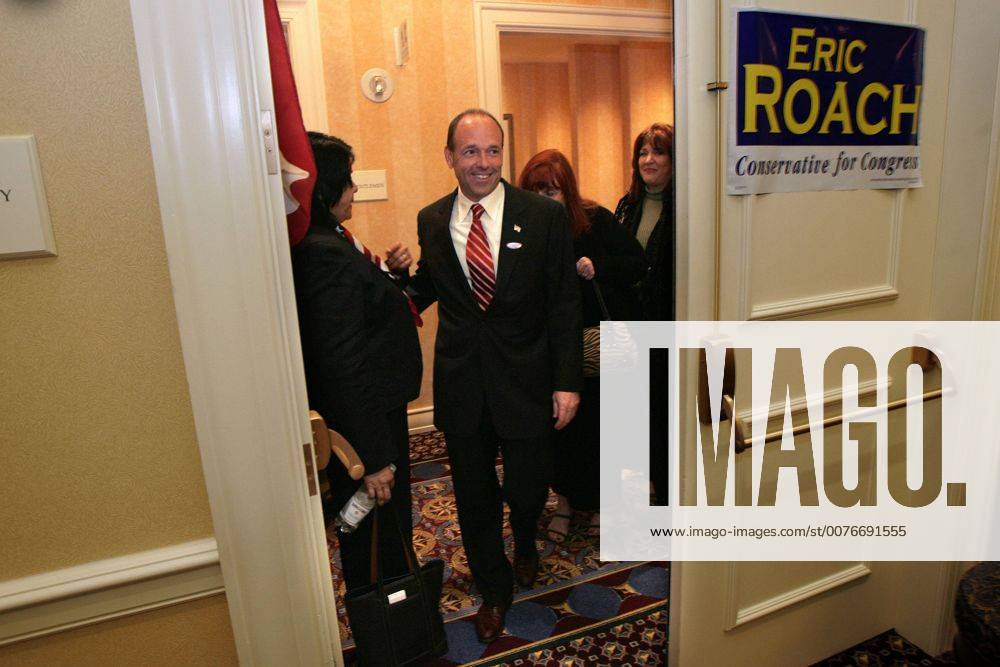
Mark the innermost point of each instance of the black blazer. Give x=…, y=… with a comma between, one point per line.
x=359, y=342
x=657, y=288
x=527, y=344
x=619, y=265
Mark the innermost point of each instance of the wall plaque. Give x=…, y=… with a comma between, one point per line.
x=25, y=230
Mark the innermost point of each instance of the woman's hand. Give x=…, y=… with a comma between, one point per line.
x=379, y=484
x=398, y=259
x=585, y=268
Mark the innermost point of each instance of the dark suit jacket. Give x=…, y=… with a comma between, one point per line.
x=359, y=342
x=527, y=344
x=619, y=265
x=658, y=287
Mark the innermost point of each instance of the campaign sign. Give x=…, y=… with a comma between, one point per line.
x=822, y=103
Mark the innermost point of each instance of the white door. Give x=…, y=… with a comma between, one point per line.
x=850, y=255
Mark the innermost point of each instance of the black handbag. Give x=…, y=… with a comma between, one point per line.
x=397, y=621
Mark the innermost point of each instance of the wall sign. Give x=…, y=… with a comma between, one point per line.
x=822, y=103
x=372, y=185
x=25, y=230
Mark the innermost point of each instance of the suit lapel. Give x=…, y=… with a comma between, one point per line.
x=509, y=236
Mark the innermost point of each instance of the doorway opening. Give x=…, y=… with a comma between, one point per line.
x=587, y=96
x=584, y=80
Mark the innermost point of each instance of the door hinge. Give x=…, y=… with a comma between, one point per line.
x=715, y=86
x=270, y=143
x=310, y=470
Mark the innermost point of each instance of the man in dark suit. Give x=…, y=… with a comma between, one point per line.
x=508, y=360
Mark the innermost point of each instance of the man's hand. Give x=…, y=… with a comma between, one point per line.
x=564, y=405
x=379, y=485
x=585, y=268
x=398, y=259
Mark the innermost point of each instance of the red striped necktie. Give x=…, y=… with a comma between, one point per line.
x=380, y=263
x=480, y=260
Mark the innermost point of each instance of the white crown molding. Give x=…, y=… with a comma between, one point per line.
x=736, y=616
x=89, y=593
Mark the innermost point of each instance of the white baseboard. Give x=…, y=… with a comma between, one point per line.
x=84, y=594
x=420, y=420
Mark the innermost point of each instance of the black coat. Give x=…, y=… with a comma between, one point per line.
x=359, y=342
x=527, y=344
x=619, y=265
x=657, y=288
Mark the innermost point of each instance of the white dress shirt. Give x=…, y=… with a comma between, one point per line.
x=492, y=219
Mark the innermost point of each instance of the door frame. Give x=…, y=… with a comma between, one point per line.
x=492, y=17
x=206, y=81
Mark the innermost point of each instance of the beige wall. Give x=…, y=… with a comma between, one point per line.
x=193, y=634
x=406, y=135
x=97, y=437
x=537, y=95
x=98, y=456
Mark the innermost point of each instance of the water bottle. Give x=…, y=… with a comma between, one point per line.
x=356, y=509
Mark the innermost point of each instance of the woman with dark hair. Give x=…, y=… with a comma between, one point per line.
x=609, y=263
x=361, y=356
x=647, y=211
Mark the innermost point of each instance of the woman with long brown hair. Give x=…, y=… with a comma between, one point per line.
x=647, y=211
x=609, y=263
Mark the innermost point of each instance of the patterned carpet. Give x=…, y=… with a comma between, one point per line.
x=614, y=619
x=581, y=611
x=889, y=649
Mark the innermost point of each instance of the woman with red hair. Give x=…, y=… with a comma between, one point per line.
x=609, y=263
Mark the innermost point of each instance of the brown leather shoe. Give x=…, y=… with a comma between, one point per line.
x=489, y=621
x=526, y=568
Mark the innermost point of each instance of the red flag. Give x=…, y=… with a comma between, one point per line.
x=298, y=169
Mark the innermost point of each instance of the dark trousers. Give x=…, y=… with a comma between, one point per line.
x=577, y=457
x=659, y=425
x=480, y=498
x=355, y=548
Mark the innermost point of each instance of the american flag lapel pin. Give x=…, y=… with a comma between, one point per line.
x=517, y=228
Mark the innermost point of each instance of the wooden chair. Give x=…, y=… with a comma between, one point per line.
x=327, y=441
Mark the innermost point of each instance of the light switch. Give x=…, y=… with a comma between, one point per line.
x=25, y=230
x=371, y=185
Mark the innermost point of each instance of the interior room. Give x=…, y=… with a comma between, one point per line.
x=160, y=499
